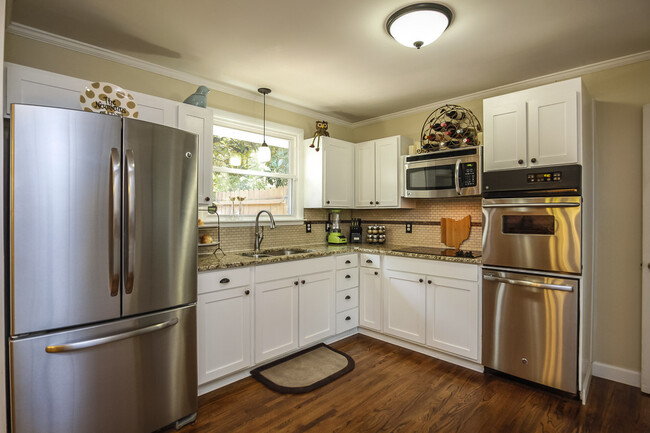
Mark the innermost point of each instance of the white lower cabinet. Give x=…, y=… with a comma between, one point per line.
x=370, y=298
x=434, y=303
x=224, y=320
x=316, y=308
x=452, y=316
x=276, y=318
x=293, y=310
x=404, y=305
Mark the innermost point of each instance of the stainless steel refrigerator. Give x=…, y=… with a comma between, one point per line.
x=102, y=273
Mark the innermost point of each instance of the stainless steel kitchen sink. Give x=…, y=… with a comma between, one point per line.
x=287, y=252
x=255, y=255
x=276, y=253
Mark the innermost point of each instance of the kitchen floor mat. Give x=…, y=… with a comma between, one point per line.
x=304, y=371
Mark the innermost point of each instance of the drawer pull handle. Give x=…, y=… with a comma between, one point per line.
x=376, y=273
x=347, y=262
x=302, y=282
x=295, y=283
x=429, y=281
x=368, y=261
x=348, y=318
x=247, y=292
x=225, y=280
x=421, y=280
x=348, y=276
x=348, y=297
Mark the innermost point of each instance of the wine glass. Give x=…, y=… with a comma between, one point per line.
x=232, y=205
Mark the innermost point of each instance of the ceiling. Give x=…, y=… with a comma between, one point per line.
x=335, y=56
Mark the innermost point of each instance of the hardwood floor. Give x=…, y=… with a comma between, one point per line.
x=396, y=390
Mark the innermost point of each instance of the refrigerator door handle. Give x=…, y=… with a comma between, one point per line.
x=130, y=221
x=71, y=347
x=114, y=229
x=525, y=283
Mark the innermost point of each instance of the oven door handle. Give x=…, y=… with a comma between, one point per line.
x=457, y=176
x=531, y=205
x=561, y=287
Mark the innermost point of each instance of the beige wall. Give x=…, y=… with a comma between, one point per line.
x=621, y=92
x=617, y=309
x=28, y=52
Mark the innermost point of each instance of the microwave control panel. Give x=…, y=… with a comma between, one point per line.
x=468, y=174
x=555, y=176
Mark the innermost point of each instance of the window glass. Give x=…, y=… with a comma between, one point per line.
x=244, y=181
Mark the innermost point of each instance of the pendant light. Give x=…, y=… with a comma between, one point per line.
x=419, y=24
x=264, y=152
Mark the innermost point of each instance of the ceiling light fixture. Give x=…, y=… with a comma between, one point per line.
x=264, y=152
x=419, y=24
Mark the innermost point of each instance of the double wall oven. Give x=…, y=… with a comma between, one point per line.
x=532, y=262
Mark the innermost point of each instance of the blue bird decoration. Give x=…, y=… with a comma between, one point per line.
x=198, y=98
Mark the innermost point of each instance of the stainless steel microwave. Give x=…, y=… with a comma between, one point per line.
x=446, y=173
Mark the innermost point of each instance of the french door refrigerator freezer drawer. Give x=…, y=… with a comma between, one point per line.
x=123, y=376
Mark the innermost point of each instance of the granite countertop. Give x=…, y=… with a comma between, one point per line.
x=234, y=259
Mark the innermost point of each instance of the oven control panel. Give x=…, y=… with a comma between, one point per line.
x=555, y=176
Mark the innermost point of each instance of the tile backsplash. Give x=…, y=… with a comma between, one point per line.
x=425, y=217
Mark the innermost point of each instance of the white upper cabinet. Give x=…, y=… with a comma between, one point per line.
x=34, y=86
x=377, y=172
x=329, y=174
x=199, y=121
x=533, y=128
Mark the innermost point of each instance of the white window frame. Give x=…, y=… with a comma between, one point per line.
x=295, y=136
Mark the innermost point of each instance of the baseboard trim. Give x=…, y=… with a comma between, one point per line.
x=617, y=374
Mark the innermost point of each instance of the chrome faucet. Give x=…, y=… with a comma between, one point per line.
x=260, y=235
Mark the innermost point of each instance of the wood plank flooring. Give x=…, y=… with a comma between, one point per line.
x=393, y=389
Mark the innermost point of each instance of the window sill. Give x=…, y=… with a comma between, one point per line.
x=249, y=221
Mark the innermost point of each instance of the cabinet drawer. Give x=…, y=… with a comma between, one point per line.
x=347, y=299
x=347, y=320
x=211, y=281
x=369, y=260
x=347, y=278
x=347, y=261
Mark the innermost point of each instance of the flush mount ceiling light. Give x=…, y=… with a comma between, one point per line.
x=264, y=152
x=419, y=24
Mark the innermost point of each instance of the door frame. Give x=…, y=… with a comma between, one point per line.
x=645, y=265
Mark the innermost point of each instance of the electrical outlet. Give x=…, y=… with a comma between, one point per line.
x=409, y=227
x=308, y=227
x=327, y=227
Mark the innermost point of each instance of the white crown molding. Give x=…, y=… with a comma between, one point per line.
x=92, y=50
x=71, y=44
x=513, y=87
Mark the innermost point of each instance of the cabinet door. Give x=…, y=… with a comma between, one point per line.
x=553, y=128
x=404, y=305
x=370, y=299
x=198, y=120
x=386, y=172
x=452, y=316
x=338, y=177
x=224, y=332
x=364, y=160
x=276, y=318
x=504, y=124
x=316, y=310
